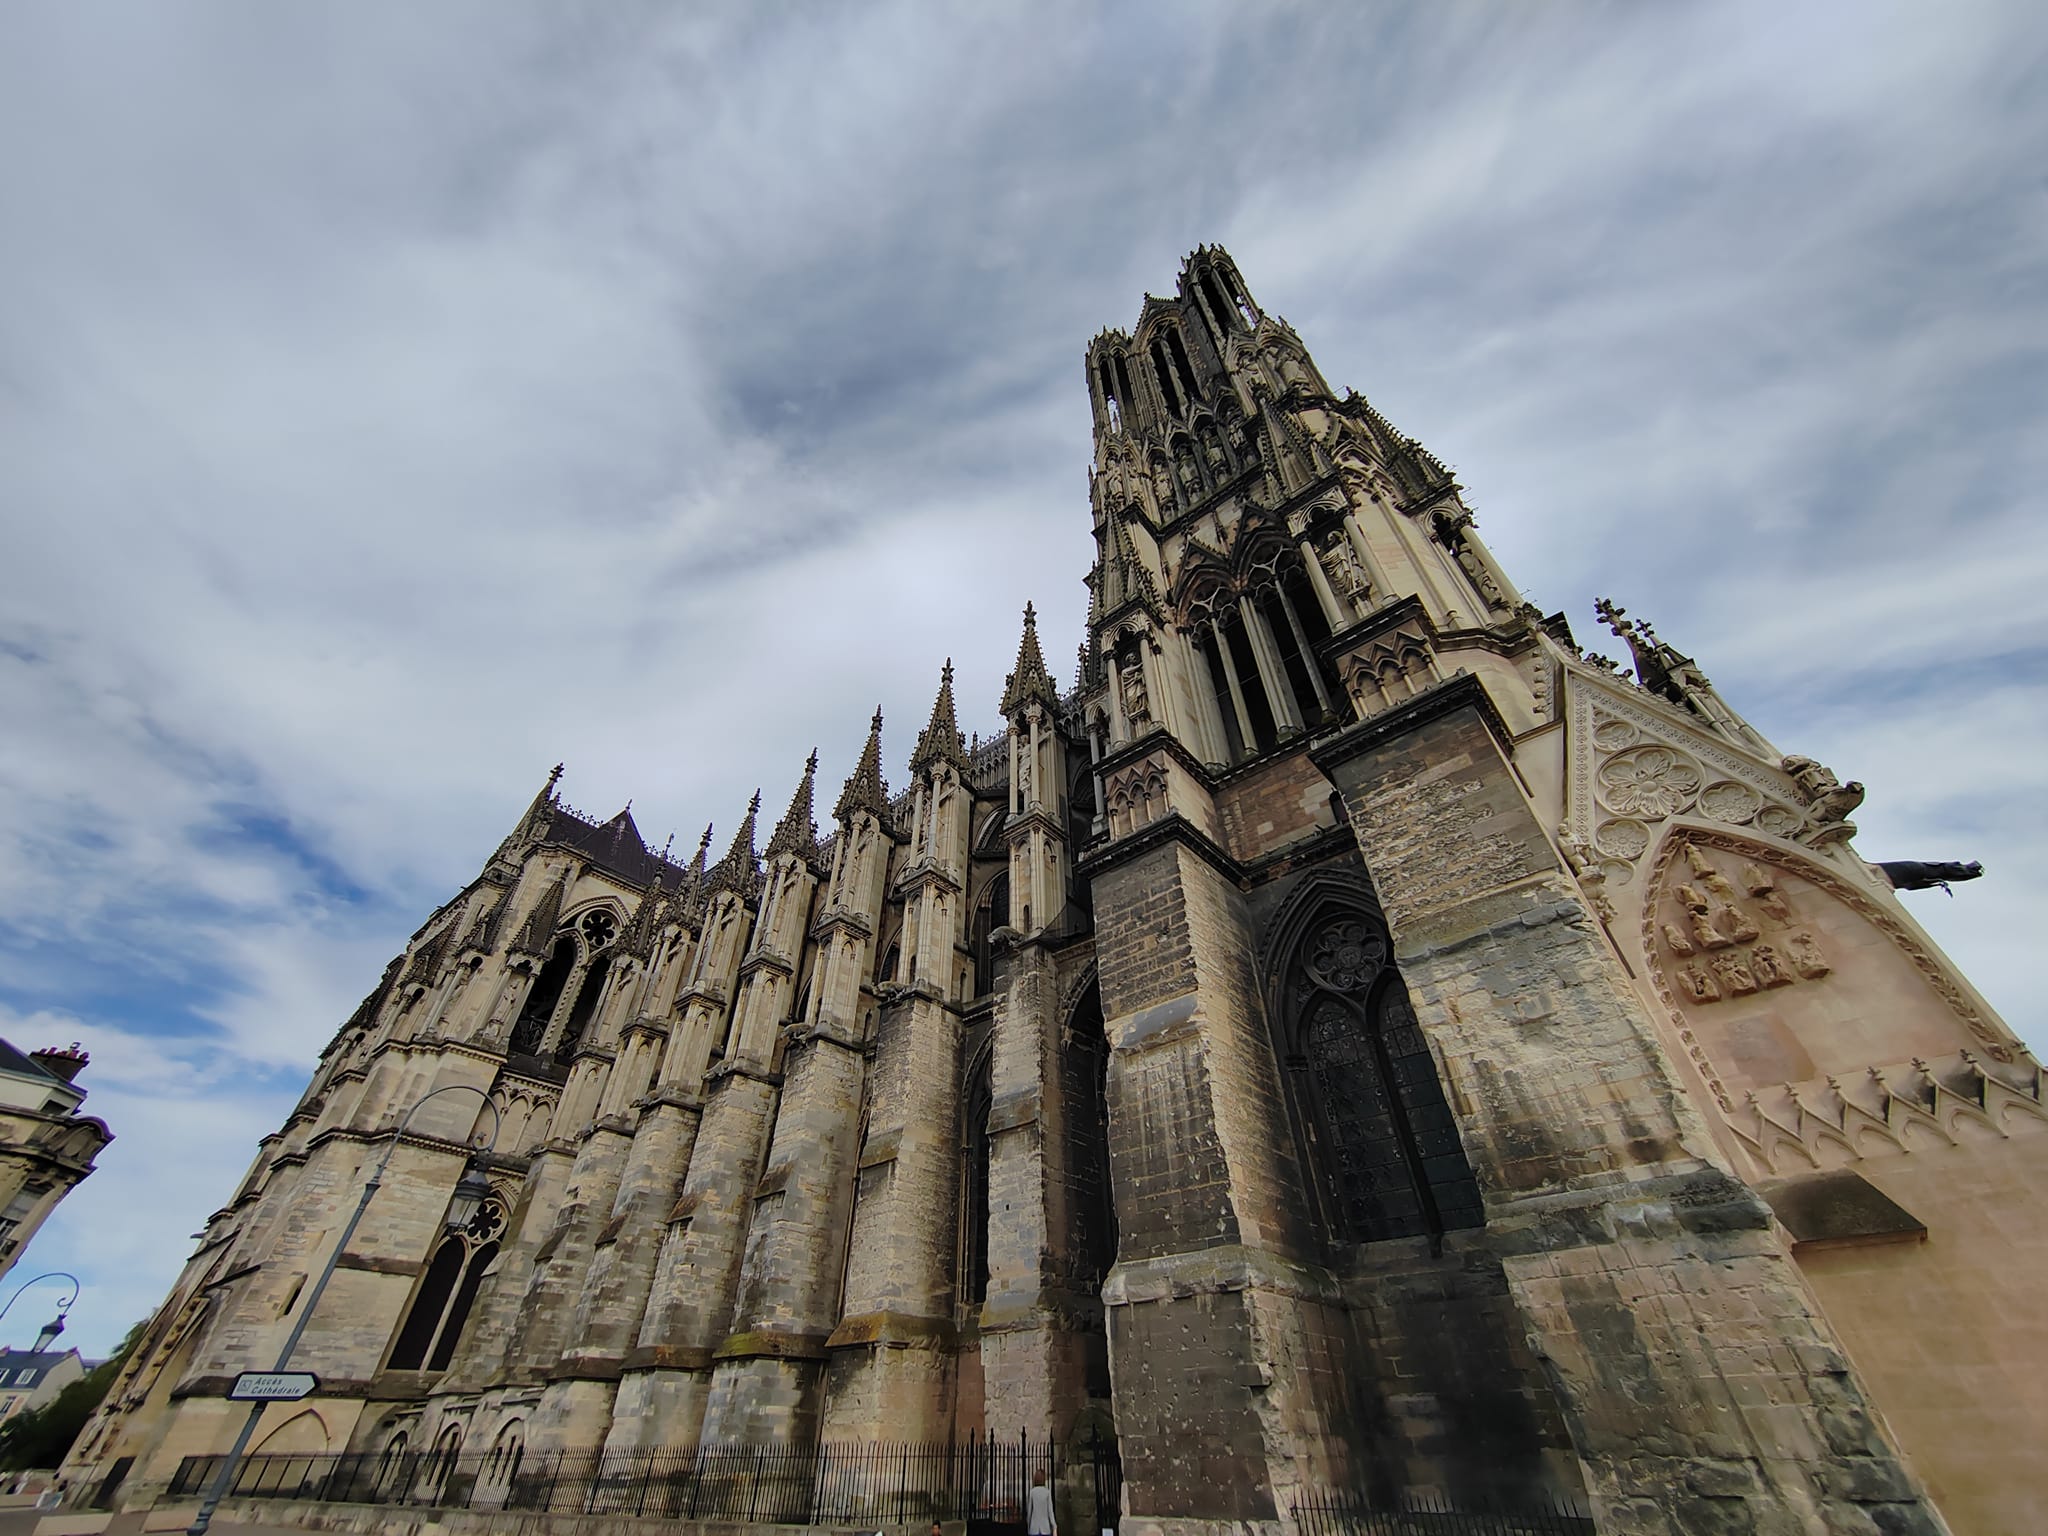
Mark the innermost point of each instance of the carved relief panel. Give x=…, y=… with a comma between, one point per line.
x=1776, y=971
x=1632, y=770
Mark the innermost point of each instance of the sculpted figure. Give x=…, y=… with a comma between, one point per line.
x=1700, y=917
x=1761, y=884
x=1190, y=477
x=1736, y=923
x=1734, y=973
x=1676, y=941
x=1807, y=959
x=1828, y=800
x=1136, y=706
x=1346, y=574
x=1698, y=984
x=1768, y=968
x=1162, y=487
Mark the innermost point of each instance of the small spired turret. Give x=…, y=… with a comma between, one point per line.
x=940, y=740
x=740, y=870
x=797, y=833
x=865, y=789
x=1664, y=670
x=1036, y=830
x=1029, y=680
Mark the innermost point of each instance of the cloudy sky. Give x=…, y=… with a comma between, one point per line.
x=395, y=400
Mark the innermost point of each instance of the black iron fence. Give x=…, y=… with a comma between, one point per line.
x=975, y=1480
x=1331, y=1512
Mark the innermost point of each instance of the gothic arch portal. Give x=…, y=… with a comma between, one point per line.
x=1373, y=1126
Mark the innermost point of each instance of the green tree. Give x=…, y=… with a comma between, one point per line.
x=42, y=1436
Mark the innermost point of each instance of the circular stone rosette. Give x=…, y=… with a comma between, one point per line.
x=1778, y=820
x=1613, y=735
x=1730, y=802
x=1622, y=838
x=1649, y=781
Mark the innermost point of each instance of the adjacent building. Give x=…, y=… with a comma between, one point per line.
x=29, y=1378
x=1352, y=1035
x=46, y=1146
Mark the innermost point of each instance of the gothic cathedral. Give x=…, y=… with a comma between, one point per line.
x=1353, y=1038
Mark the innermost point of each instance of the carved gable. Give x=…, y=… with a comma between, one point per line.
x=1785, y=982
x=1635, y=764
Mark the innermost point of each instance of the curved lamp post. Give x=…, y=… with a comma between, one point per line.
x=470, y=1191
x=56, y=1324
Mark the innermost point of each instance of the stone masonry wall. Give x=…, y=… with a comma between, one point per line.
x=1702, y=1388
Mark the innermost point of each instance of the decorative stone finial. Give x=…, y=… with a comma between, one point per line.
x=739, y=871
x=796, y=833
x=1029, y=680
x=865, y=790
x=941, y=740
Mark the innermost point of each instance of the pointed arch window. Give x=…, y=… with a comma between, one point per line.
x=975, y=1106
x=587, y=997
x=993, y=913
x=532, y=1024
x=447, y=1293
x=1376, y=1130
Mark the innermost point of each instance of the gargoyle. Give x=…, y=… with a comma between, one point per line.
x=1911, y=875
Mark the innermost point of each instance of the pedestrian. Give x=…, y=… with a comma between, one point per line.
x=1038, y=1508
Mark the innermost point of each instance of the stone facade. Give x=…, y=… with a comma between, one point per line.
x=1352, y=1038
x=46, y=1146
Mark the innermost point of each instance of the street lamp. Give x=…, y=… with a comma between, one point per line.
x=470, y=1191
x=55, y=1325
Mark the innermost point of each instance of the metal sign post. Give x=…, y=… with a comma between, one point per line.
x=278, y=1374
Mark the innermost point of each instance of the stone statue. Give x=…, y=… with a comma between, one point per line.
x=1828, y=800
x=1763, y=886
x=1137, y=708
x=1699, y=914
x=1732, y=971
x=1768, y=968
x=1346, y=574
x=1190, y=477
x=1162, y=487
x=1736, y=923
x=1807, y=959
x=1698, y=984
x=1676, y=941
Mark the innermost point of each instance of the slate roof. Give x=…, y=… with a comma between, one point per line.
x=614, y=846
x=12, y=1060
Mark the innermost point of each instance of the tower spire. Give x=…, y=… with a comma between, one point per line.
x=1124, y=577
x=941, y=739
x=796, y=833
x=646, y=923
x=865, y=790
x=538, y=813
x=538, y=931
x=739, y=871
x=1029, y=680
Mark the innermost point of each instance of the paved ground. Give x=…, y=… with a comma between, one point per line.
x=22, y=1522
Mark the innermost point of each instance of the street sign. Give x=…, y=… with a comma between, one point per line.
x=273, y=1386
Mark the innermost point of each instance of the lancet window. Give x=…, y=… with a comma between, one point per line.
x=447, y=1292
x=532, y=1023
x=992, y=913
x=1370, y=1113
x=975, y=1104
x=1254, y=634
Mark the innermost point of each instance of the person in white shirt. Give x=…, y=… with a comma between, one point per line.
x=1038, y=1508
